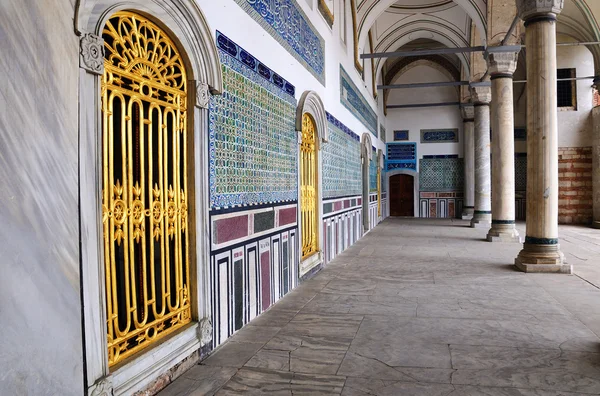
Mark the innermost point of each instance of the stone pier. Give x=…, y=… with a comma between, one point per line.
x=502, y=66
x=468, y=114
x=482, y=215
x=541, y=251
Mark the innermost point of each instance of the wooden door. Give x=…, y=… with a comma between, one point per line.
x=402, y=199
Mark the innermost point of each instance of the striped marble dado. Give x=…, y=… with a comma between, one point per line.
x=342, y=225
x=440, y=204
x=253, y=264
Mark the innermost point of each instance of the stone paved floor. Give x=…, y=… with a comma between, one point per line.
x=421, y=307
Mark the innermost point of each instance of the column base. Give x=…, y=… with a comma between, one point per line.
x=542, y=258
x=467, y=213
x=481, y=219
x=503, y=232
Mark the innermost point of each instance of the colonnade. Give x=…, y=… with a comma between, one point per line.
x=490, y=193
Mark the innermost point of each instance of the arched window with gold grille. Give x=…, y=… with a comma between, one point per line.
x=144, y=185
x=309, y=198
x=378, y=188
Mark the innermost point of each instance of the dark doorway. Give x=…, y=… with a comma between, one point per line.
x=402, y=198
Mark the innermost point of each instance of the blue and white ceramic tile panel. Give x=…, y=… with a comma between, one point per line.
x=441, y=173
x=401, y=156
x=252, y=136
x=373, y=173
x=289, y=25
x=354, y=101
x=341, y=161
x=439, y=135
x=400, y=135
x=382, y=133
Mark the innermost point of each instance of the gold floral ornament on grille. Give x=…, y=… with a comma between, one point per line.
x=144, y=185
x=308, y=187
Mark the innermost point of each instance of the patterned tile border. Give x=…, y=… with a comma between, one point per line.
x=343, y=127
x=289, y=25
x=237, y=52
x=354, y=101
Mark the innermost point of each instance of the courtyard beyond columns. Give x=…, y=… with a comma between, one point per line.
x=422, y=307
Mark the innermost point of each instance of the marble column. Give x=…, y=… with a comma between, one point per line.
x=541, y=251
x=468, y=114
x=501, y=66
x=482, y=215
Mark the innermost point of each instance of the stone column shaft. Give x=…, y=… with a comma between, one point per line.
x=469, y=161
x=541, y=252
x=482, y=214
x=502, y=67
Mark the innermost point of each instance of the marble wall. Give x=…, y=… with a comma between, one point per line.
x=40, y=310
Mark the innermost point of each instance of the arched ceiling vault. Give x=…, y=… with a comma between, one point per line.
x=402, y=65
x=580, y=22
x=369, y=11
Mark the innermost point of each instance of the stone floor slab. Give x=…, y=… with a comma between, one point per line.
x=421, y=307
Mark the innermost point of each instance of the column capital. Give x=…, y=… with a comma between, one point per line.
x=528, y=9
x=468, y=112
x=502, y=63
x=481, y=94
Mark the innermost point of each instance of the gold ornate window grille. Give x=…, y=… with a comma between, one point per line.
x=144, y=185
x=378, y=190
x=308, y=187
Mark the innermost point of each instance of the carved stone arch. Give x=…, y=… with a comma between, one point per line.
x=182, y=18
x=186, y=26
x=311, y=103
x=366, y=146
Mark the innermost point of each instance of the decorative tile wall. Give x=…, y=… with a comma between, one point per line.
x=373, y=173
x=382, y=133
x=289, y=25
x=253, y=190
x=341, y=161
x=401, y=156
x=354, y=101
x=441, y=174
x=253, y=141
x=439, y=135
x=400, y=135
x=520, y=171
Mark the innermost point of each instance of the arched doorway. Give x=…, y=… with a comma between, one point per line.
x=402, y=198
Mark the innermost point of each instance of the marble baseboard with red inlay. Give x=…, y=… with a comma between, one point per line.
x=440, y=205
x=248, y=277
x=233, y=227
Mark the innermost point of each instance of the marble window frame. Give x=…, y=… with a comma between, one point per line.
x=311, y=103
x=187, y=26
